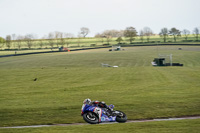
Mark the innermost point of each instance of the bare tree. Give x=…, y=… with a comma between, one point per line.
x=147, y=32
x=45, y=41
x=97, y=35
x=13, y=38
x=28, y=38
x=108, y=39
x=113, y=33
x=108, y=35
x=8, y=41
x=175, y=33
x=121, y=33
x=68, y=37
x=186, y=33
x=164, y=34
x=100, y=37
x=41, y=43
x=131, y=33
x=51, y=39
x=19, y=41
x=84, y=31
x=62, y=39
x=141, y=35
x=196, y=33
x=79, y=38
x=58, y=36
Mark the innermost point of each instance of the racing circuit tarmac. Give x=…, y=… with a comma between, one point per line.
x=129, y=121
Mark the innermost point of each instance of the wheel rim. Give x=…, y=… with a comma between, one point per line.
x=122, y=115
x=91, y=117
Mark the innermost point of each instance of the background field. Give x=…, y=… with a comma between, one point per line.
x=64, y=80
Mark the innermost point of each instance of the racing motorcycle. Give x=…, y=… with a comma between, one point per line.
x=94, y=114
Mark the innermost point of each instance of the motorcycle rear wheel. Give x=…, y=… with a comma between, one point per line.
x=121, y=119
x=91, y=118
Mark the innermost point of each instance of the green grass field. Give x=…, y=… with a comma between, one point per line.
x=64, y=80
x=179, y=126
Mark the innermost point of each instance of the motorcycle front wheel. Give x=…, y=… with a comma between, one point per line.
x=91, y=118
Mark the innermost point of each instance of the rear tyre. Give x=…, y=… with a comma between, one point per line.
x=121, y=117
x=91, y=118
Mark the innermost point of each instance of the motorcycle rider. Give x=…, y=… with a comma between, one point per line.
x=99, y=104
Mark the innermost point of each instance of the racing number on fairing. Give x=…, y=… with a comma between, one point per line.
x=98, y=111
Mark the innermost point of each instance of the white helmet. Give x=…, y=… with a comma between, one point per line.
x=87, y=101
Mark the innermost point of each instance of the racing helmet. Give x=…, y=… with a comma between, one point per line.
x=102, y=104
x=87, y=101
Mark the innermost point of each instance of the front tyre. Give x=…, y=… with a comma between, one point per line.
x=121, y=117
x=90, y=117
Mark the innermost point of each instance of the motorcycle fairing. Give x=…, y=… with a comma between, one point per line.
x=98, y=111
x=105, y=118
x=88, y=108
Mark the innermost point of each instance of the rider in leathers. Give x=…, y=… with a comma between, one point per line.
x=99, y=104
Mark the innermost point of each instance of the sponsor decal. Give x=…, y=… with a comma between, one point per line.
x=102, y=118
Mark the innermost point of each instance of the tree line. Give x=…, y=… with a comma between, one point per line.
x=130, y=33
x=61, y=38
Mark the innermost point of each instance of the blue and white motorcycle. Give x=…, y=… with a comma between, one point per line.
x=94, y=115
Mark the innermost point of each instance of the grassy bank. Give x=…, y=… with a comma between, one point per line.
x=64, y=80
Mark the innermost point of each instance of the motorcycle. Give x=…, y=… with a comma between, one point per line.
x=94, y=114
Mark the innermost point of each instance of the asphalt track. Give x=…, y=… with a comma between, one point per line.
x=129, y=121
